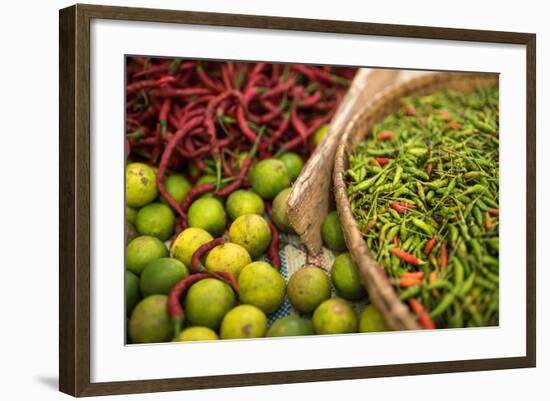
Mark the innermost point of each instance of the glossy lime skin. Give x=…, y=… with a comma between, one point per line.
x=280, y=211
x=252, y=233
x=269, y=177
x=371, y=320
x=208, y=214
x=345, y=277
x=334, y=316
x=143, y=250
x=332, y=233
x=207, y=302
x=149, y=322
x=293, y=163
x=290, y=325
x=244, y=321
x=187, y=242
x=262, y=286
x=132, y=293
x=141, y=184
x=307, y=288
x=161, y=275
x=197, y=333
x=157, y=220
x=228, y=257
x=243, y=202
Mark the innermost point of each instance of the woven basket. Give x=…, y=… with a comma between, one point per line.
x=381, y=293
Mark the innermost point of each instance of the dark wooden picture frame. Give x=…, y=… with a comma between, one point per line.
x=74, y=199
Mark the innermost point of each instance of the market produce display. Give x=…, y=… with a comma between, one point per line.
x=212, y=150
x=424, y=191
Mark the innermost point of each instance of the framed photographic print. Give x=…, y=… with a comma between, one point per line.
x=298, y=200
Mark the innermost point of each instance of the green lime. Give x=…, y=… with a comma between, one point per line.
x=270, y=177
x=244, y=321
x=130, y=232
x=227, y=257
x=143, y=250
x=205, y=179
x=150, y=322
x=197, y=333
x=262, y=286
x=244, y=202
x=177, y=186
x=161, y=275
x=307, y=288
x=345, y=277
x=371, y=320
x=280, y=211
x=252, y=233
x=207, y=302
x=334, y=316
x=320, y=134
x=131, y=213
x=293, y=163
x=290, y=325
x=132, y=294
x=208, y=214
x=141, y=184
x=187, y=242
x=156, y=220
x=332, y=232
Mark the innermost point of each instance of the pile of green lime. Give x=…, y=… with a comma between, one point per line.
x=158, y=257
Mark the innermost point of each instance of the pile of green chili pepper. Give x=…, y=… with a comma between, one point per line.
x=424, y=189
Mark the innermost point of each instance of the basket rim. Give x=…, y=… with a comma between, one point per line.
x=382, y=294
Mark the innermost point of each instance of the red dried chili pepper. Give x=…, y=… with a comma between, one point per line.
x=163, y=116
x=273, y=250
x=298, y=125
x=205, y=79
x=201, y=250
x=165, y=158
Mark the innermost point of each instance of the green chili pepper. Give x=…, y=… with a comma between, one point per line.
x=445, y=303
x=423, y=226
x=446, y=168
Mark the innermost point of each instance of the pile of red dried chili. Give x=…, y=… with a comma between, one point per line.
x=195, y=110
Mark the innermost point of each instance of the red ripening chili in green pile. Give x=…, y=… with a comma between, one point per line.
x=431, y=207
